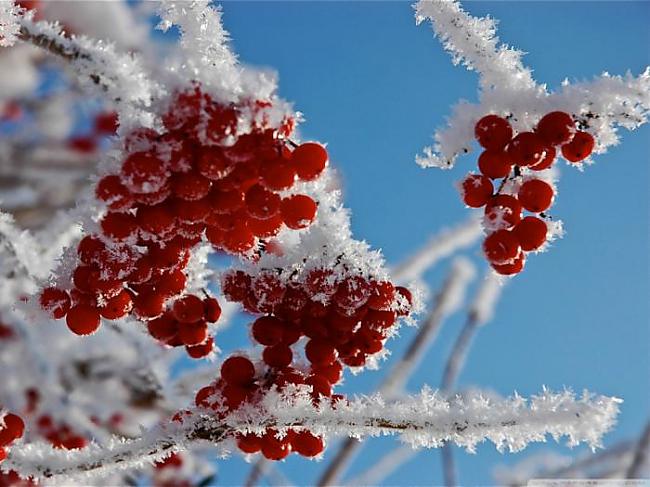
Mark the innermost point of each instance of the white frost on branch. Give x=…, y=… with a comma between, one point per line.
x=9, y=26
x=508, y=89
x=424, y=420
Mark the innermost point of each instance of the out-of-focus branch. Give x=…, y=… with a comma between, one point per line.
x=446, y=303
x=641, y=455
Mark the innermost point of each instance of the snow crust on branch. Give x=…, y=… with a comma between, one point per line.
x=508, y=89
x=424, y=420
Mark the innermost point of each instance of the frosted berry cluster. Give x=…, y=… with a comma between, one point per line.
x=344, y=318
x=197, y=181
x=12, y=428
x=516, y=158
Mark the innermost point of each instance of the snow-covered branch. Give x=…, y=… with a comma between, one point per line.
x=425, y=420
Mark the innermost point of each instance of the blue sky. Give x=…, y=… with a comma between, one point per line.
x=375, y=86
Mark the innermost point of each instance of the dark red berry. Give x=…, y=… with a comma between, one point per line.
x=536, y=195
x=493, y=132
x=298, y=211
x=556, y=128
x=501, y=247
x=531, y=233
x=579, y=148
x=309, y=160
x=55, y=301
x=238, y=370
x=83, y=319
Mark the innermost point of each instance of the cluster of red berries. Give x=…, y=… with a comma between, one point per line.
x=174, y=190
x=60, y=436
x=506, y=156
x=12, y=428
x=345, y=320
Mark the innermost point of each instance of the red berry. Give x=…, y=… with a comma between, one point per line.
x=249, y=443
x=171, y=283
x=321, y=283
x=155, y=197
x=13, y=428
x=495, y=164
x=91, y=249
x=163, y=328
x=526, y=149
x=238, y=240
x=200, y=351
x=278, y=356
x=515, y=267
x=212, y=310
x=222, y=201
x=476, y=190
x=148, y=304
x=265, y=228
x=157, y=220
x=332, y=372
x=119, y=226
x=202, y=397
x=536, y=195
x=193, y=333
x=501, y=247
x=111, y=190
x=352, y=292
x=406, y=301
x=83, y=319
x=268, y=330
x=55, y=301
x=502, y=211
x=531, y=233
x=273, y=448
x=309, y=160
x=493, y=132
x=142, y=172
x=306, y=444
x=277, y=174
x=380, y=319
x=319, y=352
x=262, y=203
x=549, y=158
x=213, y=165
x=117, y=306
x=235, y=285
x=298, y=211
x=142, y=270
x=320, y=386
x=171, y=256
x=238, y=370
x=382, y=295
x=106, y=123
x=188, y=309
x=197, y=211
x=579, y=148
x=269, y=290
x=556, y=128
x=190, y=186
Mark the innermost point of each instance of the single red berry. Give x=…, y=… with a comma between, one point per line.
x=277, y=174
x=119, y=226
x=319, y=352
x=118, y=306
x=249, y=443
x=382, y=295
x=3, y=454
x=235, y=285
x=352, y=292
x=515, y=267
x=110, y=190
x=171, y=256
x=320, y=386
x=142, y=172
x=157, y=220
x=579, y=148
x=200, y=351
x=211, y=310
x=321, y=283
x=269, y=290
x=476, y=190
x=277, y=356
x=556, y=128
x=332, y=372
x=265, y=228
x=309, y=160
x=238, y=370
x=531, y=233
x=163, y=328
x=268, y=330
x=171, y=283
x=526, y=149
x=298, y=211
x=190, y=186
x=238, y=240
x=203, y=395
x=262, y=203
x=406, y=301
x=193, y=333
x=91, y=249
x=213, y=165
x=369, y=340
x=188, y=309
x=83, y=319
x=536, y=195
x=501, y=246
x=106, y=123
x=495, y=164
x=306, y=444
x=55, y=301
x=148, y=304
x=502, y=211
x=155, y=197
x=549, y=158
x=14, y=428
x=380, y=319
x=273, y=448
x=493, y=132
x=225, y=201
x=142, y=270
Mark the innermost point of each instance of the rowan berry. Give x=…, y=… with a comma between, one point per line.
x=268, y=330
x=501, y=246
x=502, y=211
x=556, y=128
x=110, y=190
x=143, y=172
x=526, y=149
x=514, y=267
x=119, y=226
x=579, y=148
x=200, y=351
x=117, y=306
x=476, y=190
x=309, y=160
x=493, y=132
x=277, y=356
x=83, y=319
x=531, y=233
x=238, y=370
x=495, y=164
x=14, y=428
x=262, y=203
x=193, y=333
x=298, y=211
x=188, y=309
x=319, y=352
x=273, y=448
x=306, y=444
x=55, y=301
x=549, y=158
x=536, y=195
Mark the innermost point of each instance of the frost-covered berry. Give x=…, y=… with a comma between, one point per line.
x=579, y=148
x=495, y=164
x=118, y=306
x=501, y=247
x=143, y=172
x=307, y=444
x=319, y=352
x=202, y=350
x=278, y=356
x=298, y=211
x=493, y=132
x=268, y=330
x=476, y=190
x=55, y=301
x=14, y=428
x=536, y=195
x=274, y=448
x=526, y=149
x=502, y=211
x=262, y=203
x=237, y=370
x=547, y=161
x=556, y=128
x=531, y=233
x=309, y=160
x=511, y=268
x=116, y=195
x=188, y=309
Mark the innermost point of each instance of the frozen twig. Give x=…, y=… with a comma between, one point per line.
x=641, y=455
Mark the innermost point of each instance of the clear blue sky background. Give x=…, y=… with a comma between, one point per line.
x=374, y=86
